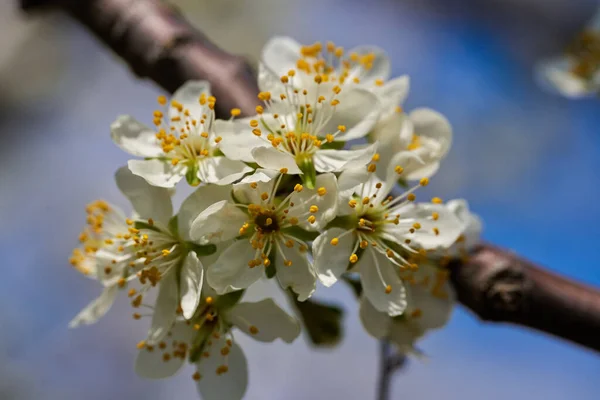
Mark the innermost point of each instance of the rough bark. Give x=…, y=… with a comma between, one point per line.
x=495, y=284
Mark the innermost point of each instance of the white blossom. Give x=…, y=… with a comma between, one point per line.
x=270, y=228
x=184, y=143
x=380, y=233
x=207, y=341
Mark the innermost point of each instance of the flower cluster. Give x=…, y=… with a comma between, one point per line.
x=280, y=194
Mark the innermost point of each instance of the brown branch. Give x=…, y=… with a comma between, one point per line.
x=159, y=44
x=499, y=286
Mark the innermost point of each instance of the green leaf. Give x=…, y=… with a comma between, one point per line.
x=354, y=284
x=323, y=322
x=300, y=233
x=228, y=300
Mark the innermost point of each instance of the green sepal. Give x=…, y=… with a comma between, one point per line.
x=336, y=145
x=144, y=225
x=300, y=233
x=270, y=270
x=202, y=250
x=200, y=340
x=173, y=226
x=228, y=300
x=191, y=176
x=346, y=222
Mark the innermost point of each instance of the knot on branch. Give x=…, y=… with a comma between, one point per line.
x=504, y=291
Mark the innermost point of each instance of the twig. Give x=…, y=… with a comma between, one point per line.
x=497, y=285
x=389, y=362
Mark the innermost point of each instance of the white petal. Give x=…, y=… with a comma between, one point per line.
x=197, y=202
x=96, y=309
x=431, y=298
x=447, y=224
x=245, y=194
x=380, y=67
x=358, y=110
x=299, y=276
x=376, y=273
x=147, y=201
x=556, y=75
x=404, y=159
x=151, y=364
x=217, y=223
x=326, y=204
x=271, y=158
x=435, y=136
x=330, y=262
x=226, y=386
x=231, y=271
x=350, y=179
x=265, y=321
x=339, y=160
x=238, y=141
x=280, y=54
x=472, y=225
x=135, y=137
x=157, y=173
x=192, y=277
x=221, y=170
x=165, y=308
x=376, y=323
x=189, y=95
x=393, y=93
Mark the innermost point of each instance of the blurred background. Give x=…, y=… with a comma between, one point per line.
x=527, y=160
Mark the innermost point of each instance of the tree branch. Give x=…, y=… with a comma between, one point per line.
x=497, y=285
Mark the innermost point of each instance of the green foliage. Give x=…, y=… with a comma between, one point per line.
x=322, y=322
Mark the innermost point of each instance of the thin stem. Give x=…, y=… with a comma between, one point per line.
x=389, y=362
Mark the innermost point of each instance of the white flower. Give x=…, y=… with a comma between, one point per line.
x=379, y=234
x=575, y=74
x=153, y=247
x=184, y=145
x=272, y=228
x=430, y=301
x=423, y=131
x=471, y=231
x=208, y=342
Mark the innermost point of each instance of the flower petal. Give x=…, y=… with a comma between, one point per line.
x=393, y=93
x=280, y=54
x=154, y=363
x=379, y=69
x=299, y=275
x=157, y=173
x=339, y=160
x=96, y=309
x=231, y=271
x=165, y=308
x=326, y=204
x=271, y=158
x=135, y=138
x=192, y=277
x=221, y=170
x=217, y=223
x=238, y=141
x=196, y=203
x=378, y=276
x=471, y=222
x=265, y=321
x=432, y=234
x=376, y=323
x=330, y=262
x=230, y=385
x=189, y=95
x=358, y=111
x=147, y=201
